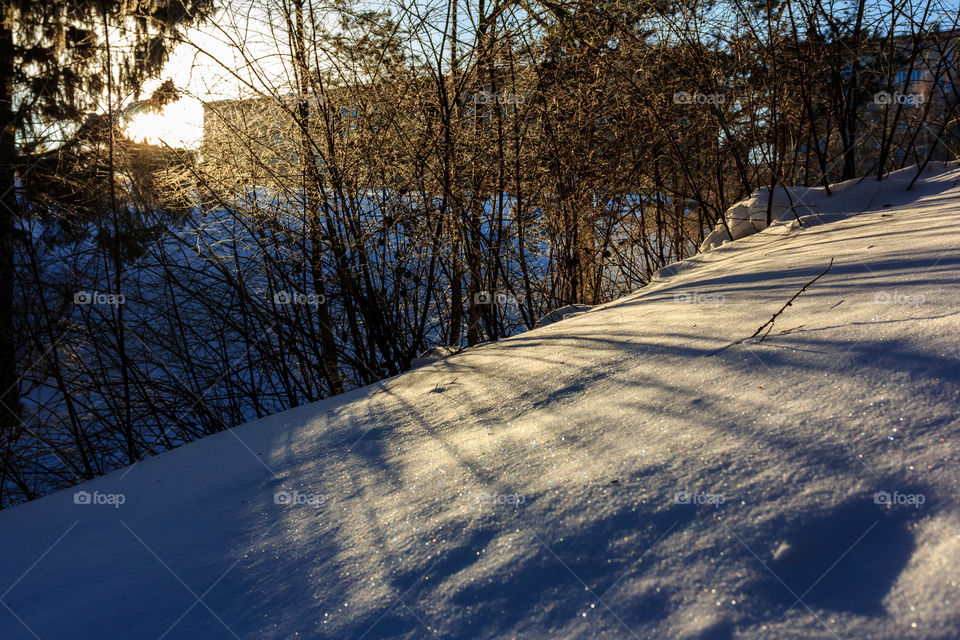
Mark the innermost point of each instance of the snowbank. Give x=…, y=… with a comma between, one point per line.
x=795, y=206
x=432, y=355
x=568, y=311
x=750, y=216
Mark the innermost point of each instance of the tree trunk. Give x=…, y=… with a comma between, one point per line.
x=328, y=342
x=9, y=378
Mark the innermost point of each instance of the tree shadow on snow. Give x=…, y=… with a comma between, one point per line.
x=845, y=560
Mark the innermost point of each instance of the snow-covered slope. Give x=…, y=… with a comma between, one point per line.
x=796, y=206
x=632, y=472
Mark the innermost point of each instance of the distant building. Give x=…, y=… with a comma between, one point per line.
x=248, y=138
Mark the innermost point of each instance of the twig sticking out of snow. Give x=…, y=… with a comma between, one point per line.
x=768, y=325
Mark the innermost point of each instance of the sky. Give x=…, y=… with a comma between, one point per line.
x=238, y=53
x=208, y=66
x=201, y=77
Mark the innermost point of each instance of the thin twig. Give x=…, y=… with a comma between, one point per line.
x=768, y=325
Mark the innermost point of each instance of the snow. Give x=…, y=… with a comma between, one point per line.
x=749, y=216
x=639, y=471
x=795, y=206
x=433, y=355
x=567, y=311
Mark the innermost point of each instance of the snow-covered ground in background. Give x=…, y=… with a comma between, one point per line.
x=631, y=472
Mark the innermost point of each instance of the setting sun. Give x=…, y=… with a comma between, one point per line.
x=178, y=125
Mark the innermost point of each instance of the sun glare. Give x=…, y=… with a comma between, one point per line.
x=178, y=125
